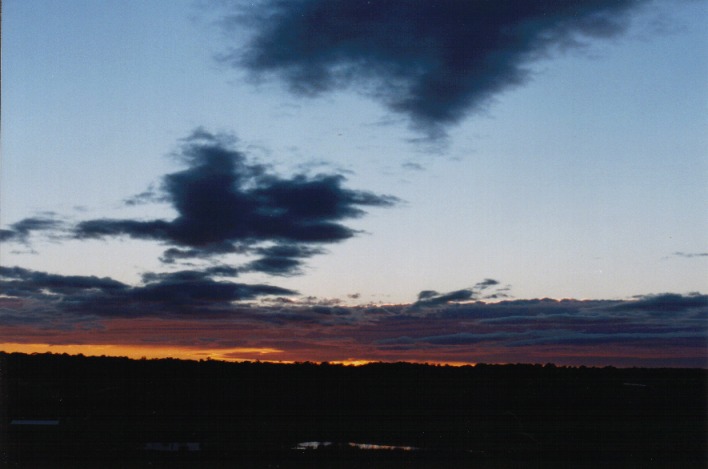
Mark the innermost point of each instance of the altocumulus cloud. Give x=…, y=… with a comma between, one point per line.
x=225, y=204
x=434, y=61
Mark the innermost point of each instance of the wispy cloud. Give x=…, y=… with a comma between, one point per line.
x=434, y=61
x=690, y=255
x=21, y=231
x=429, y=298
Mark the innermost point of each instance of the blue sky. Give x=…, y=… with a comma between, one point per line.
x=585, y=180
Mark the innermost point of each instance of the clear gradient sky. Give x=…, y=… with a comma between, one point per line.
x=345, y=180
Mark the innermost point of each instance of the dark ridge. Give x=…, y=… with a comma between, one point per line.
x=77, y=410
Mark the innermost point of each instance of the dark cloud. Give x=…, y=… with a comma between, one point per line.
x=412, y=166
x=284, y=259
x=17, y=281
x=151, y=195
x=225, y=205
x=651, y=323
x=666, y=303
x=154, y=229
x=434, y=61
x=687, y=338
x=172, y=255
x=433, y=298
x=515, y=310
x=190, y=275
x=186, y=294
x=691, y=255
x=430, y=298
x=486, y=283
x=22, y=230
x=191, y=292
x=461, y=338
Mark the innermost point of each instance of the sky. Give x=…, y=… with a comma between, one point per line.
x=438, y=181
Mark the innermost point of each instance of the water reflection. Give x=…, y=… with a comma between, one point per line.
x=370, y=446
x=312, y=445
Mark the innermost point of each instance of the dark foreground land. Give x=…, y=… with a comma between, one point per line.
x=75, y=411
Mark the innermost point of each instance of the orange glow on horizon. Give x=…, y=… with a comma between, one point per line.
x=351, y=362
x=359, y=362
x=137, y=352
x=182, y=353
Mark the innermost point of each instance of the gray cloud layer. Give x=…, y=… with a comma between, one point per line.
x=653, y=329
x=650, y=322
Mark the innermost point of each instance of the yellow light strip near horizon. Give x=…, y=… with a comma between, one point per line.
x=137, y=352
x=157, y=352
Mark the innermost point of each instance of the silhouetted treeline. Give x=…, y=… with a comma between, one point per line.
x=118, y=409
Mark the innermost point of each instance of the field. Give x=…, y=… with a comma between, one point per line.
x=80, y=411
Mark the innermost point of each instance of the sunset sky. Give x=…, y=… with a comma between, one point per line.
x=429, y=180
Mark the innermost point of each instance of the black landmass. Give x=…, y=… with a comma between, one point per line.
x=77, y=411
